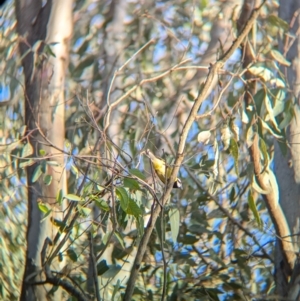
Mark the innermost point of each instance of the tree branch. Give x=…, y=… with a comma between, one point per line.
x=213, y=73
x=274, y=209
x=58, y=281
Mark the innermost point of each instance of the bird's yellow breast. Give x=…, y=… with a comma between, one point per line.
x=159, y=166
x=160, y=169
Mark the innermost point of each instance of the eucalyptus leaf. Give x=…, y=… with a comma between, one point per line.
x=174, y=217
x=276, y=55
x=27, y=150
x=73, y=197
x=253, y=208
x=137, y=173
x=37, y=173
x=123, y=197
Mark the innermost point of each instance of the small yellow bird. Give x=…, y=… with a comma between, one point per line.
x=159, y=166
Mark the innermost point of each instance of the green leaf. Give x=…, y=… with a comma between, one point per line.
x=59, y=196
x=199, y=229
x=234, y=285
x=283, y=146
x=188, y=239
x=240, y=253
x=270, y=115
x=74, y=170
x=43, y=166
x=279, y=101
x=276, y=55
x=116, y=289
x=253, y=208
x=112, y=271
x=85, y=211
x=25, y=163
x=123, y=197
x=37, y=173
x=101, y=204
x=277, y=82
x=27, y=150
x=288, y=116
x=120, y=239
x=207, y=164
x=102, y=267
x=262, y=72
x=264, y=151
x=43, y=207
x=47, y=180
x=234, y=151
x=267, y=127
x=225, y=136
x=72, y=255
x=134, y=209
x=119, y=253
x=138, y=174
x=83, y=47
x=215, y=256
x=259, y=100
x=215, y=213
x=42, y=152
x=48, y=50
x=86, y=62
x=278, y=22
x=106, y=237
x=53, y=289
x=60, y=224
x=73, y=197
x=52, y=163
x=174, y=222
x=131, y=184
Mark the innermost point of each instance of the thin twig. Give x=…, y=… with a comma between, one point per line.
x=164, y=288
x=213, y=73
x=217, y=102
x=123, y=66
x=229, y=216
x=59, y=281
x=94, y=267
x=142, y=82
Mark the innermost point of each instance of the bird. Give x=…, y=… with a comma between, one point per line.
x=159, y=166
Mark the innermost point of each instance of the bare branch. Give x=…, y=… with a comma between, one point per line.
x=213, y=73
x=94, y=267
x=275, y=210
x=58, y=281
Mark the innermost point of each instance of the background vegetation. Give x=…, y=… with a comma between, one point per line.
x=86, y=88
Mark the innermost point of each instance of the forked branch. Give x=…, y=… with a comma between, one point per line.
x=207, y=88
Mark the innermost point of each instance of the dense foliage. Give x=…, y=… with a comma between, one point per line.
x=131, y=71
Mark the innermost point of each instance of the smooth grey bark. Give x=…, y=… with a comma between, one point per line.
x=287, y=168
x=44, y=117
x=26, y=12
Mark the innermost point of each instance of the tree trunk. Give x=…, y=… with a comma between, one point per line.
x=287, y=167
x=44, y=117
